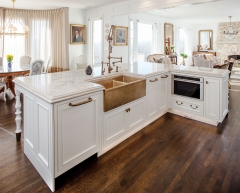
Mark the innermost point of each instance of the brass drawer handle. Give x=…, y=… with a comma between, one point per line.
x=154, y=80
x=193, y=107
x=179, y=103
x=127, y=110
x=206, y=82
x=166, y=76
x=81, y=103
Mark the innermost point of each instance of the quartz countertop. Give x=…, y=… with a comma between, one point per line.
x=55, y=87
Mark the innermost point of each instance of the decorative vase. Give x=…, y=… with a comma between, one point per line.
x=9, y=66
x=88, y=70
x=183, y=62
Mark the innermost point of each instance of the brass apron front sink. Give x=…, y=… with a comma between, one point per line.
x=120, y=90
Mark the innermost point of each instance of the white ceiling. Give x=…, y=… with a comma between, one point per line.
x=53, y=4
x=206, y=12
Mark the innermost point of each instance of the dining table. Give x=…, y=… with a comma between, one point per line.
x=9, y=75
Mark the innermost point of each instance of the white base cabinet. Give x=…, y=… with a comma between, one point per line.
x=61, y=135
x=118, y=122
x=212, y=98
x=77, y=131
x=157, y=95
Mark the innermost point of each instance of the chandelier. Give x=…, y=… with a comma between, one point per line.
x=229, y=34
x=10, y=29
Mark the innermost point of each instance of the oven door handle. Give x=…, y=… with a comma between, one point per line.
x=187, y=81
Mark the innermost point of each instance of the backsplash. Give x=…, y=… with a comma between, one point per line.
x=225, y=46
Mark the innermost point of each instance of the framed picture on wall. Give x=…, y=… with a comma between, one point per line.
x=77, y=34
x=120, y=36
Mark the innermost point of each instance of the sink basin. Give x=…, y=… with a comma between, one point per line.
x=120, y=90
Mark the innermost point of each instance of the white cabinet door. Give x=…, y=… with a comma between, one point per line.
x=152, y=97
x=163, y=92
x=114, y=125
x=212, y=98
x=77, y=131
x=135, y=114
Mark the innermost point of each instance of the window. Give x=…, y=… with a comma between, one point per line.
x=96, y=42
x=183, y=41
x=144, y=40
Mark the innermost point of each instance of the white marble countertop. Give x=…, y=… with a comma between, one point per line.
x=55, y=87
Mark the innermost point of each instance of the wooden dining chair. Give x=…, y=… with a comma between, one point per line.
x=4, y=88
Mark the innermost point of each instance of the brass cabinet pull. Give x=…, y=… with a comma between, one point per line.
x=206, y=82
x=193, y=107
x=154, y=80
x=127, y=110
x=81, y=103
x=179, y=103
x=166, y=76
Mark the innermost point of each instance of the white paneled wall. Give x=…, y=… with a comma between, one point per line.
x=76, y=16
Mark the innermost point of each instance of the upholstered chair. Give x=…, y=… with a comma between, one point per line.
x=154, y=57
x=36, y=67
x=25, y=62
x=81, y=62
x=46, y=67
x=200, y=61
x=166, y=60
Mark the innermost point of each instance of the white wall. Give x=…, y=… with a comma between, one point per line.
x=76, y=16
x=205, y=26
x=123, y=20
x=127, y=8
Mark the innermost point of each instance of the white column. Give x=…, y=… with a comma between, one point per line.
x=18, y=118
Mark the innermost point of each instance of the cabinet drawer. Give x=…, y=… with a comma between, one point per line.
x=188, y=106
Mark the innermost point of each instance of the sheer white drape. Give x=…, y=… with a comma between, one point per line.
x=47, y=37
x=1, y=39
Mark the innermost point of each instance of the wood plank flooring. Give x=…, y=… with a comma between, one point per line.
x=173, y=154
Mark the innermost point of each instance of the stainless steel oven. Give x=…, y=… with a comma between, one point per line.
x=187, y=86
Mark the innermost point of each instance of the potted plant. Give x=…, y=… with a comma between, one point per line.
x=9, y=60
x=172, y=48
x=184, y=57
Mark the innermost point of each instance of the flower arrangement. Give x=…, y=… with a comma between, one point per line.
x=9, y=57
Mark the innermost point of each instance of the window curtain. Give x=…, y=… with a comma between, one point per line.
x=1, y=39
x=47, y=37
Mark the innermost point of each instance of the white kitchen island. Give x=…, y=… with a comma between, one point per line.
x=64, y=122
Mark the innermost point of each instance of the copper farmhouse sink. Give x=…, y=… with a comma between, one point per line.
x=120, y=90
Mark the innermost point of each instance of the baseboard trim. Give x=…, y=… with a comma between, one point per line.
x=193, y=117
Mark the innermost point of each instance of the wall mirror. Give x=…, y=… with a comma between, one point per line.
x=168, y=33
x=205, y=40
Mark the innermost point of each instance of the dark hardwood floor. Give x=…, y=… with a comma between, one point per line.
x=173, y=154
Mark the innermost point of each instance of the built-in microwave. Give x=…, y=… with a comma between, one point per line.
x=187, y=86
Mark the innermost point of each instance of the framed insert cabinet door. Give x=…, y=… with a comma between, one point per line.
x=136, y=114
x=212, y=98
x=77, y=131
x=114, y=125
x=152, y=97
x=163, y=92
